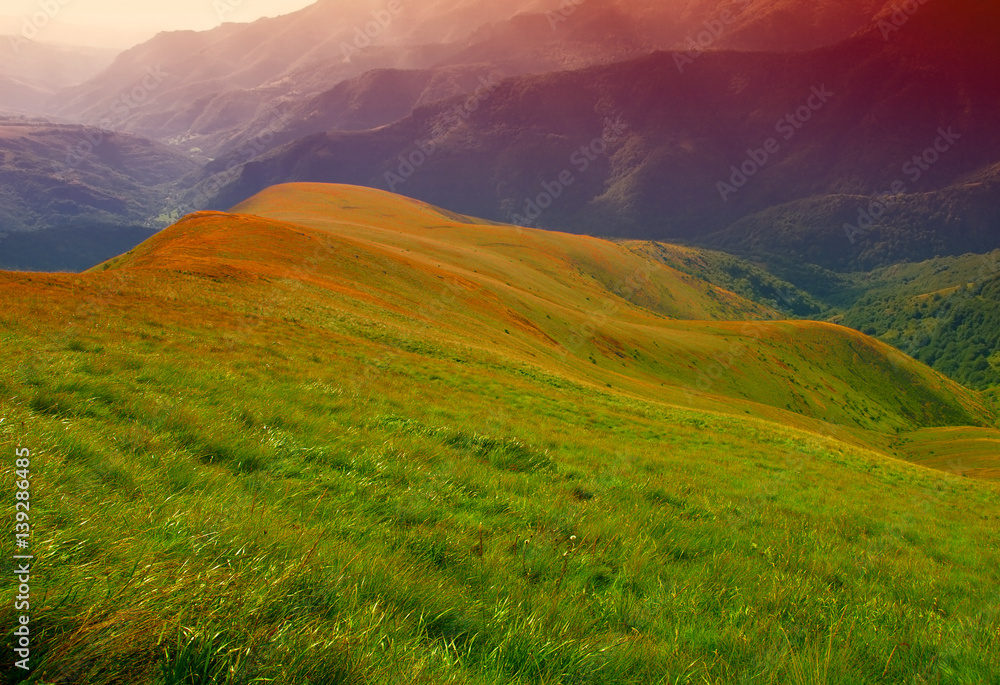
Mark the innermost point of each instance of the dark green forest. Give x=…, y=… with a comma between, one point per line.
x=956, y=331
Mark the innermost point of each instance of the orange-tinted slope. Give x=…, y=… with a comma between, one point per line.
x=387, y=271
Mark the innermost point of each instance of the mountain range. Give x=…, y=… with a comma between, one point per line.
x=31, y=73
x=844, y=127
x=226, y=75
x=72, y=195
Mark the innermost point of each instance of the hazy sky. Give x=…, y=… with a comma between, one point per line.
x=121, y=23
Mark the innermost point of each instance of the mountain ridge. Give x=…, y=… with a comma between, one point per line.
x=663, y=179
x=285, y=58
x=486, y=259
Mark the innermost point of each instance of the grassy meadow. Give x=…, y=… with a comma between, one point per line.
x=338, y=436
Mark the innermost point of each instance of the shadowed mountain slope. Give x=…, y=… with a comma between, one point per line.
x=656, y=149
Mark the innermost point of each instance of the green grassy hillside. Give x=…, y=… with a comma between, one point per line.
x=339, y=436
x=941, y=311
x=954, y=327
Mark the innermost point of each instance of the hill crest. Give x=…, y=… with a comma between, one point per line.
x=574, y=306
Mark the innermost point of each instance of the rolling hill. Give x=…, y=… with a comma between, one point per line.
x=337, y=435
x=645, y=281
